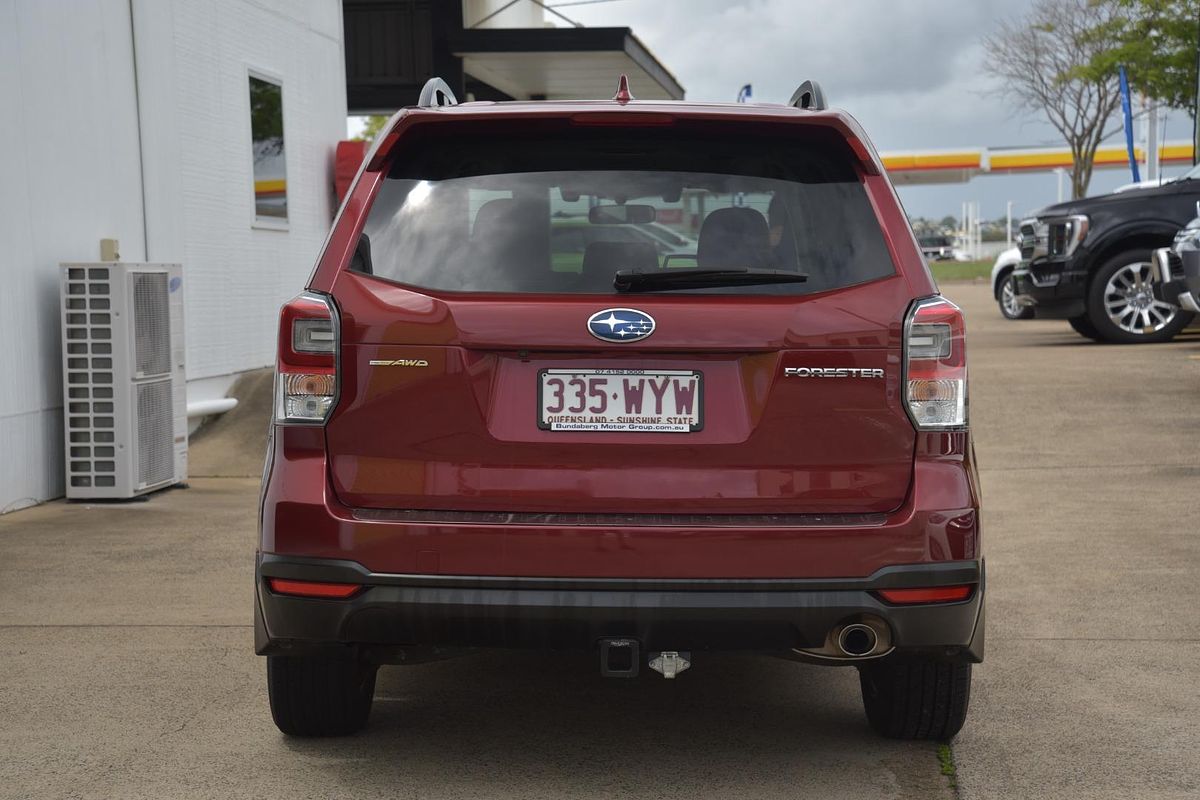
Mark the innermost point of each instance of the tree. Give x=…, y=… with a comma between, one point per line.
x=372, y=127
x=1044, y=61
x=1156, y=42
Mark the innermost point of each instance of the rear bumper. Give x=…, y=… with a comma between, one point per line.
x=465, y=579
x=394, y=613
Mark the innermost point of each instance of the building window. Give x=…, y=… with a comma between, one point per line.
x=266, y=134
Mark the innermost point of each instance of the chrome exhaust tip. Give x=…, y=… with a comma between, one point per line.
x=857, y=640
x=865, y=637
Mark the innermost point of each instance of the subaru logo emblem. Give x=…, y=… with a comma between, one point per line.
x=620, y=325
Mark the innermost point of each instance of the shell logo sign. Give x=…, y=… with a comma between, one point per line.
x=959, y=166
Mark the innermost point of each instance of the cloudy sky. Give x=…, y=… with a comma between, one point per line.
x=910, y=70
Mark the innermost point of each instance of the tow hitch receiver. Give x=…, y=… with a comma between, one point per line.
x=670, y=663
x=619, y=658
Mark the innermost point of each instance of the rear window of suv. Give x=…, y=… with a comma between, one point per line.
x=562, y=212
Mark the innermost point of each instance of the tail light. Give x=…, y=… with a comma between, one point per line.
x=935, y=380
x=306, y=369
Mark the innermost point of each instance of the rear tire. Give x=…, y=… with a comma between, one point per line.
x=1122, y=309
x=916, y=699
x=1084, y=327
x=312, y=696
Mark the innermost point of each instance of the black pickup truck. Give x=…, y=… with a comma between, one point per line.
x=1089, y=261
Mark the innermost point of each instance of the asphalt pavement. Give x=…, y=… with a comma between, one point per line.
x=127, y=666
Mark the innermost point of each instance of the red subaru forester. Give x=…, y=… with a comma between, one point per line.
x=648, y=379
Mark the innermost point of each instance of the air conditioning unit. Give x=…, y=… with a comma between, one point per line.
x=124, y=391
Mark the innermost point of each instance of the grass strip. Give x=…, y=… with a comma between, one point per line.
x=961, y=270
x=946, y=762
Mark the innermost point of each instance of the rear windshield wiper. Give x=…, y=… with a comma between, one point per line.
x=633, y=280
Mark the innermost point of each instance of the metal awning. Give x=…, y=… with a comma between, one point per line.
x=562, y=63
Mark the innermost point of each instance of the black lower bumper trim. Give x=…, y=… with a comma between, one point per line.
x=399, y=611
x=1060, y=298
x=1059, y=309
x=946, y=573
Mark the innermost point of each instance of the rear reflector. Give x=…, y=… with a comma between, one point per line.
x=336, y=591
x=934, y=594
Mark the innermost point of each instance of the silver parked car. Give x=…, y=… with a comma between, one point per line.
x=1004, y=288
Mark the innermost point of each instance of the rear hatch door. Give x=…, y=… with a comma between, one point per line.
x=485, y=368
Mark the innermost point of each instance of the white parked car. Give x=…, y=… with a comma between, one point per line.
x=1003, y=288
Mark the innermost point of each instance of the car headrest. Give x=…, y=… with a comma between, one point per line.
x=495, y=216
x=510, y=239
x=601, y=260
x=733, y=238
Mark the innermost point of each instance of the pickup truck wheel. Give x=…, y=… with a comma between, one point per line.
x=916, y=699
x=1006, y=297
x=1084, y=327
x=312, y=696
x=1122, y=307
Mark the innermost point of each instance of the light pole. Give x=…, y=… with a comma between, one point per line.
x=1008, y=226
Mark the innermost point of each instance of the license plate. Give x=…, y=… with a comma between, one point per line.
x=620, y=400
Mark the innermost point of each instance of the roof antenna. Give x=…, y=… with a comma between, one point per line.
x=623, y=96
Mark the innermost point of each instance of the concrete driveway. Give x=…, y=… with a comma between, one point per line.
x=126, y=663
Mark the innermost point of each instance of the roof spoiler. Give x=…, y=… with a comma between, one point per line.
x=808, y=96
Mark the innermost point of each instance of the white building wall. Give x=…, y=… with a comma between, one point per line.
x=199, y=173
x=69, y=176
x=75, y=164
